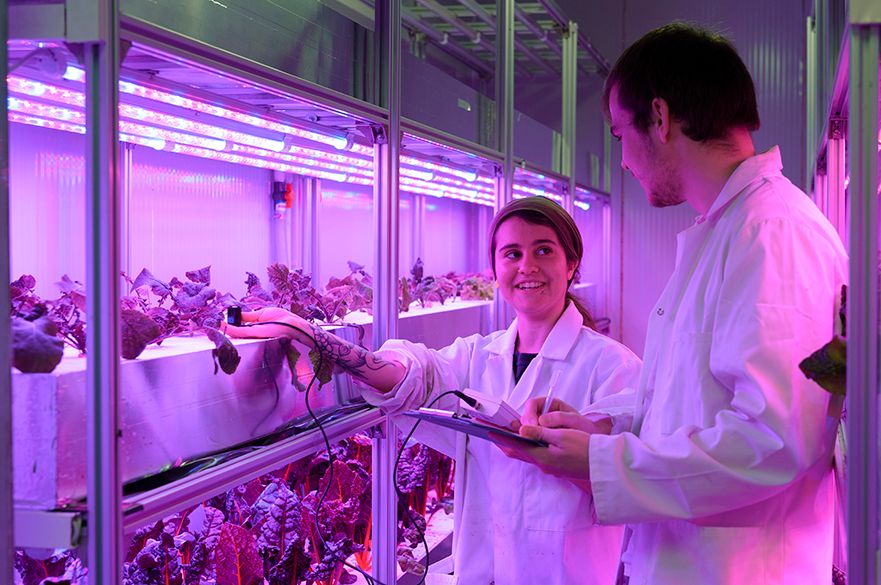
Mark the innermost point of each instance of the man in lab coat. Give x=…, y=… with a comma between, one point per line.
x=725, y=478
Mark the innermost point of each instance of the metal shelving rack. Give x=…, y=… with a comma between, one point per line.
x=103, y=31
x=848, y=150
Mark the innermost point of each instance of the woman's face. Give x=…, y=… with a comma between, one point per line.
x=531, y=269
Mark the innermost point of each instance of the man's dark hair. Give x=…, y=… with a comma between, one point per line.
x=697, y=72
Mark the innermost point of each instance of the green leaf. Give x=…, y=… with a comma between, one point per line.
x=292, y=354
x=828, y=366
x=323, y=368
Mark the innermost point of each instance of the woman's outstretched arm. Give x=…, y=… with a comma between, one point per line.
x=381, y=374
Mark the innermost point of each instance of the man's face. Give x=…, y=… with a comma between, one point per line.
x=644, y=157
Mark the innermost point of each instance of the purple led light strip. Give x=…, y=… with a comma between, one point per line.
x=218, y=143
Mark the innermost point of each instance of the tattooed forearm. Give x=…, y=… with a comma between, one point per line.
x=355, y=360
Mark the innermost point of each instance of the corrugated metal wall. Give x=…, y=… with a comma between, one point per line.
x=770, y=37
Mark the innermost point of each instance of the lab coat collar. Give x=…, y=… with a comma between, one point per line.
x=557, y=346
x=765, y=164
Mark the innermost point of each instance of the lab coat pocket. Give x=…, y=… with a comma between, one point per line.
x=552, y=504
x=682, y=378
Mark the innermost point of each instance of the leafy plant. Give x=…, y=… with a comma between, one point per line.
x=35, y=345
x=154, y=310
x=272, y=529
x=425, y=289
x=828, y=365
x=473, y=287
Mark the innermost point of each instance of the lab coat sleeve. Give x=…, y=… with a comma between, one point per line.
x=429, y=373
x=614, y=384
x=775, y=307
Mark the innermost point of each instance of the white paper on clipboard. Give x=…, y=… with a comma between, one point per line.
x=468, y=425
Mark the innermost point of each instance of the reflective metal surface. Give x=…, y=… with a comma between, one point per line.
x=173, y=407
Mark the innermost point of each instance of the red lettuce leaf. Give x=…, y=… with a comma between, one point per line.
x=75, y=573
x=203, y=275
x=237, y=561
x=194, y=296
x=33, y=571
x=292, y=567
x=167, y=321
x=418, y=270
x=141, y=537
x=35, y=348
x=224, y=351
x=137, y=331
x=158, y=562
x=277, y=511
x=146, y=278
x=73, y=289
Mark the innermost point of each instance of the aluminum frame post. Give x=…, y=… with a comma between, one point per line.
x=862, y=309
x=504, y=186
x=417, y=228
x=303, y=227
x=810, y=101
x=836, y=170
x=386, y=202
x=125, y=221
x=7, y=529
x=101, y=58
x=570, y=99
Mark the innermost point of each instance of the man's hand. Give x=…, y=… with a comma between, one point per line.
x=562, y=415
x=566, y=455
x=252, y=325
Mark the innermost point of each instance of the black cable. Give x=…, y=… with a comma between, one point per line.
x=330, y=458
x=471, y=401
x=398, y=491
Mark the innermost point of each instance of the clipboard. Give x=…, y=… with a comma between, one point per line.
x=465, y=424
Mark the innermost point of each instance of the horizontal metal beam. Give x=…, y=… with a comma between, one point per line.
x=48, y=529
x=490, y=21
x=559, y=17
x=155, y=504
x=446, y=43
x=537, y=30
x=420, y=130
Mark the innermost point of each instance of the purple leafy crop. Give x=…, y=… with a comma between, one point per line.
x=225, y=352
x=35, y=347
x=159, y=561
x=138, y=329
x=264, y=531
x=237, y=561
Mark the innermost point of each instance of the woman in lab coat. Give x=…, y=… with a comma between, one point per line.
x=513, y=524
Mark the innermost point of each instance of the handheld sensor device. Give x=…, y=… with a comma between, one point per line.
x=234, y=316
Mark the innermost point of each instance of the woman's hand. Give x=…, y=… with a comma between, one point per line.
x=260, y=324
x=533, y=408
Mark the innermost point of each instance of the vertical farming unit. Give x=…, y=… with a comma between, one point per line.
x=171, y=164
x=844, y=58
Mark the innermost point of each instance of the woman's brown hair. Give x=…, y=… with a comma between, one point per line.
x=544, y=211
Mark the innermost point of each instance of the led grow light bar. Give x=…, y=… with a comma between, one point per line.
x=74, y=98
x=159, y=130
x=526, y=191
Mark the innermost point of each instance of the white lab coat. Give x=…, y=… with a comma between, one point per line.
x=513, y=524
x=727, y=475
